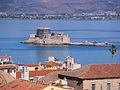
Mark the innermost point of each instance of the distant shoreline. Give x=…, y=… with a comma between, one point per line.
x=54, y=19
x=62, y=17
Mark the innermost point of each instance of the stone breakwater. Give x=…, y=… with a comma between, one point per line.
x=90, y=43
x=71, y=43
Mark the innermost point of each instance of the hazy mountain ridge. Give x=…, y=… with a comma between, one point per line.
x=58, y=6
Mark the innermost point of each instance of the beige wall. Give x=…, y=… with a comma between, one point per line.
x=54, y=88
x=54, y=67
x=101, y=84
x=31, y=68
x=56, y=39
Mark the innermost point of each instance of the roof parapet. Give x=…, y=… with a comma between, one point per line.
x=43, y=28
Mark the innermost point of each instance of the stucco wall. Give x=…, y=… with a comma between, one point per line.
x=77, y=84
x=101, y=84
x=31, y=68
x=73, y=82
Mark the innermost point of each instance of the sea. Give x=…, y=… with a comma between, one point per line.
x=12, y=32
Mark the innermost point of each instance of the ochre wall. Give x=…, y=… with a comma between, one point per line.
x=101, y=84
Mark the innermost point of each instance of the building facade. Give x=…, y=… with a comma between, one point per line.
x=102, y=84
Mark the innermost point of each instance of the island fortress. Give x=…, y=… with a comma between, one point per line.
x=44, y=36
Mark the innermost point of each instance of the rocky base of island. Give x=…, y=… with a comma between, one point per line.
x=71, y=43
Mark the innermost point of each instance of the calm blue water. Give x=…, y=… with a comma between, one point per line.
x=14, y=31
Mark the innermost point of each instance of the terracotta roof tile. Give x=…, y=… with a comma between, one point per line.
x=18, y=74
x=8, y=66
x=31, y=65
x=22, y=85
x=42, y=72
x=51, y=63
x=96, y=71
x=5, y=56
x=1, y=67
x=50, y=77
x=39, y=72
x=5, y=78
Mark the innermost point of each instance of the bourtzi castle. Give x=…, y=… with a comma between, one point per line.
x=44, y=36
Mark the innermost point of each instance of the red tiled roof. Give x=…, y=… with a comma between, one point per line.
x=42, y=72
x=22, y=85
x=96, y=71
x=5, y=78
x=38, y=72
x=2, y=67
x=7, y=66
x=51, y=63
x=31, y=65
x=18, y=74
x=5, y=56
x=50, y=78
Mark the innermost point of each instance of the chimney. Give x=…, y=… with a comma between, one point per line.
x=25, y=73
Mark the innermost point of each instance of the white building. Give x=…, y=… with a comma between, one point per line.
x=7, y=65
x=70, y=65
x=24, y=72
x=5, y=60
x=9, y=68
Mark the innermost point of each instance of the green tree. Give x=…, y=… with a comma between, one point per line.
x=113, y=50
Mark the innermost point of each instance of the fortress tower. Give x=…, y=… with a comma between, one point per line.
x=41, y=31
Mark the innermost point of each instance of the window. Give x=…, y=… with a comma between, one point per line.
x=36, y=68
x=93, y=86
x=101, y=88
x=119, y=87
x=108, y=86
x=52, y=34
x=60, y=82
x=61, y=39
x=8, y=71
x=52, y=88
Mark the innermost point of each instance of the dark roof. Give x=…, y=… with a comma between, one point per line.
x=95, y=71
